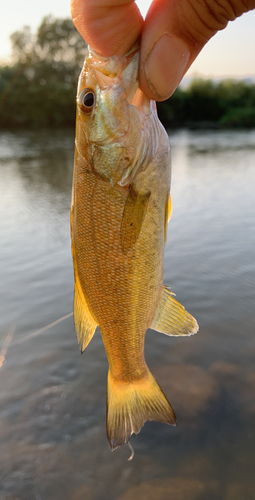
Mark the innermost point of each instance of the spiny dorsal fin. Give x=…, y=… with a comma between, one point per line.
x=133, y=216
x=172, y=318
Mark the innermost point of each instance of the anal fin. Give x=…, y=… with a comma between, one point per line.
x=85, y=324
x=172, y=318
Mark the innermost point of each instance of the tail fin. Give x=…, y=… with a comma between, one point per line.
x=130, y=405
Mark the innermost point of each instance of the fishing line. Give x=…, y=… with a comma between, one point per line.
x=132, y=451
x=31, y=335
x=6, y=345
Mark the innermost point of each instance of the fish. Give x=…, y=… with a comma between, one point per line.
x=120, y=209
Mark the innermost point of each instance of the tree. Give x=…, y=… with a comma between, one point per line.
x=39, y=88
x=56, y=40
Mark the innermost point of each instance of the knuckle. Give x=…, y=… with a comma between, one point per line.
x=201, y=19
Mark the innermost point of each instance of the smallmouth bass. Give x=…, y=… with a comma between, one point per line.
x=120, y=209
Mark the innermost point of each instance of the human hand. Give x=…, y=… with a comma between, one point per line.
x=173, y=34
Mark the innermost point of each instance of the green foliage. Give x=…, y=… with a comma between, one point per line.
x=172, y=112
x=203, y=104
x=239, y=118
x=39, y=88
x=22, y=44
x=228, y=103
x=59, y=40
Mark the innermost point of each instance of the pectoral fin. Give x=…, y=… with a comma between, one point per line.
x=133, y=216
x=172, y=318
x=84, y=323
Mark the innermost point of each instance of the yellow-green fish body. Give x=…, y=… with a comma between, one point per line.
x=120, y=210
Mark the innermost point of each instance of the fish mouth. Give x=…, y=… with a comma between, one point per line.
x=111, y=66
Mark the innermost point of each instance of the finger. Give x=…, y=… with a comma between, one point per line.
x=174, y=33
x=110, y=27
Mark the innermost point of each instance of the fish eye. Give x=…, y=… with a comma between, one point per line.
x=86, y=101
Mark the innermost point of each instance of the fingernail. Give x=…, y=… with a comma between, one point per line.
x=166, y=65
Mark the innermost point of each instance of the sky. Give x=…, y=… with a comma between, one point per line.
x=229, y=54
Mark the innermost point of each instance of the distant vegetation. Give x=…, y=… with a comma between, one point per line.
x=38, y=89
x=229, y=103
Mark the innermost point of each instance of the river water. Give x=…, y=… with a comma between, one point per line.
x=53, y=442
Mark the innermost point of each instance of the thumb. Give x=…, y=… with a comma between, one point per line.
x=174, y=33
